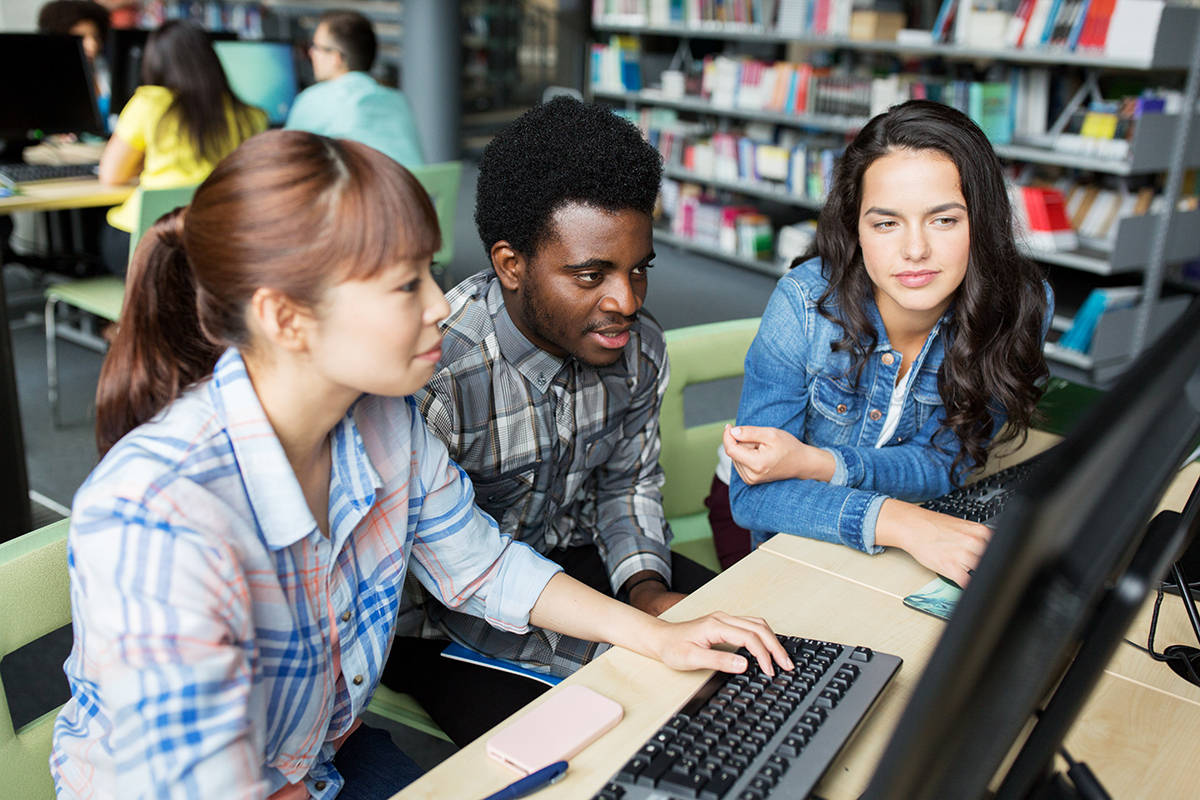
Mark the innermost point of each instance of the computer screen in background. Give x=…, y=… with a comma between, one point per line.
x=262, y=74
x=1070, y=564
x=47, y=88
x=124, y=51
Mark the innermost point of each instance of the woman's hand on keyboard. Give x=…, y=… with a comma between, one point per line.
x=949, y=546
x=688, y=645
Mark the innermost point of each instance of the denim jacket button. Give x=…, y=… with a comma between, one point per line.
x=887, y=359
x=841, y=409
x=875, y=414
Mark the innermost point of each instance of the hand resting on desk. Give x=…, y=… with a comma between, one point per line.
x=947, y=545
x=570, y=607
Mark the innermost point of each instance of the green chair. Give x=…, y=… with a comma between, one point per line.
x=101, y=296
x=35, y=600
x=442, y=181
x=699, y=354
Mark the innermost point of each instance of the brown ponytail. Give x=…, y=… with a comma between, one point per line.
x=287, y=210
x=160, y=348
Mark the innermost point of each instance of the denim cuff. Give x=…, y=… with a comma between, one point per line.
x=850, y=469
x=870, y=520
x=857, y=517
x=840, y=472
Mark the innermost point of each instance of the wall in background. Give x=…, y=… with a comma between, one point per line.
x=19, y=15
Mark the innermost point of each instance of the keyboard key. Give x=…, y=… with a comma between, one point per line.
x=719, y=785
x=684, y=782
x=861, y=654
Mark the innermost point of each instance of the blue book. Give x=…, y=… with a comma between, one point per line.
x=459, y=653
x=1051, y=19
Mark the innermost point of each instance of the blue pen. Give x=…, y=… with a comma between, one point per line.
x=531, y=782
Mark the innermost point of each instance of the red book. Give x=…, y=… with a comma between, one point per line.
x=1095, y=24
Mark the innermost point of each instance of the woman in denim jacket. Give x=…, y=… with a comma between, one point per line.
x=885, y=367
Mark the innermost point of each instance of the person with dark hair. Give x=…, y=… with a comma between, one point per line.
x=238, y=555
x=175, y=128
x=89, y=21
x=346, y=102
x=82, y=18
x=905, y=348
x=548, y=394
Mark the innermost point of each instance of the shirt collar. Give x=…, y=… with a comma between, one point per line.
x=535, y=364
x=275, y=495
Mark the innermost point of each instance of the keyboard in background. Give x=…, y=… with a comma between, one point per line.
x=985, y=499
x=749, y=736
x=32, y=173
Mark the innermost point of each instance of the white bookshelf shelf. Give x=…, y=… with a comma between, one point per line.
x=750, y=188
x=765, y=267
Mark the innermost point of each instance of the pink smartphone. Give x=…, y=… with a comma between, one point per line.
x=556, y=730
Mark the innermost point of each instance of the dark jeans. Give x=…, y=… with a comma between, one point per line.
x=467, y=700
x=114, y=250
x=374, y=768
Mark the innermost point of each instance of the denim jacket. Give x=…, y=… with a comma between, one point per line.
x=795, y=382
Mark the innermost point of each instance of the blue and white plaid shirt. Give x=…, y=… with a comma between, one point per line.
x=210, y=611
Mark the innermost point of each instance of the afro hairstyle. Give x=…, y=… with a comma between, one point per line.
x=60, y=16
x=557, y=153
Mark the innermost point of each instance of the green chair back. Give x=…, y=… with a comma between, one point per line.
x=699, y=354
x=152, y=204
x=35, y=599
x=441, y=181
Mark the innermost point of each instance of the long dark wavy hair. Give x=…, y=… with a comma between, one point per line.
x=180, y=57
x=288, y=210
x=994, y=361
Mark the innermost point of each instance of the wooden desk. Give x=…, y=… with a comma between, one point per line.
x=1139, y=732
x=66, y=194
x=15, y=513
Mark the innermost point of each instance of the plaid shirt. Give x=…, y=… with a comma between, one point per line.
x=560, y=453
x=210, y=612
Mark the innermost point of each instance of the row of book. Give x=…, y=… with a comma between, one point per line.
x=775, y=159
x=616, y=66
x=1016, y=107
x=245, y=19
x=760, y=13
x=1066, y=25
x=1027, y=24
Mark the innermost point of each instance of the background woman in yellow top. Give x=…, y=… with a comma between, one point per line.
x=174, y=129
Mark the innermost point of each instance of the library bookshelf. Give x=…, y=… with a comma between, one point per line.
x=1143, y=246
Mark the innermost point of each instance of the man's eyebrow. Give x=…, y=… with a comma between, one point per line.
x=603, y=263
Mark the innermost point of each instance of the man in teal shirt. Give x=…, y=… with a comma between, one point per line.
x=346, y=102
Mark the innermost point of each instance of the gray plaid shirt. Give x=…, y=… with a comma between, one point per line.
x=560, y=454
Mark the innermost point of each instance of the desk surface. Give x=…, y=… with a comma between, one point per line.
x=74, y=193
x=1139, y=732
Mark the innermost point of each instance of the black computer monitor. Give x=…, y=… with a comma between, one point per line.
x=1068, y=567
x=262, y=74
x=124, y=51
x=47, y=88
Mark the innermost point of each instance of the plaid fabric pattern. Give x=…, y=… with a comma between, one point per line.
x=560, y=454
x=211, y=614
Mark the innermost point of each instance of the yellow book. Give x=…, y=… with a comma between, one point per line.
x=1099, y=125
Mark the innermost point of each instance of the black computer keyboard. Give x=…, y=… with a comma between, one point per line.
x=985, y=499
x=749, y=736
x=30, y=173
